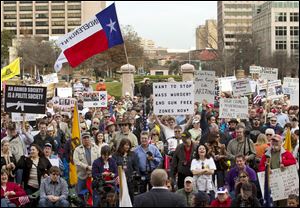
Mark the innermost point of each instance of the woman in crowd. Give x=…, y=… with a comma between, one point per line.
x=34, y=168
x=129, y=161
x=8, y=160
x=242, y=179
x=203, y=167
x=100, y=140
x=10, y=191
x=246, y=197
x=261, y=145
x=155, y=140
x=196, y=131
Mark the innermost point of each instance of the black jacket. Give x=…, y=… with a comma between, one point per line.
x=159, y=198
x=41, y=143
x=26, y=163
x=251, y=202
x=146, y=90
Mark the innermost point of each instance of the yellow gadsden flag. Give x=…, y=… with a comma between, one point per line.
x=10, y=70
x=74, y=143
x=288, y=141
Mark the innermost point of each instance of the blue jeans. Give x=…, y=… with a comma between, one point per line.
x=81, y=185
x=60, y=203
x=96, y=198
x=6, y=203
x=19, y=176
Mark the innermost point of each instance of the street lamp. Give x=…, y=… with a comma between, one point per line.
x=241, y=59
x=258, y=56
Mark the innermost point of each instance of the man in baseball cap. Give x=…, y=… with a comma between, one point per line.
x=223, y=199
x=187, y=192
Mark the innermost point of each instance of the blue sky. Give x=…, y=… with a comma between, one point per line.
x=168, y=24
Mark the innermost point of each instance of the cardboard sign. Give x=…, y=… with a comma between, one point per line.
x=64, y=92
x=294, y=97
x=225, y=83
x=291, y=83
x=95, y=99
x=241, y=87
x=25, y=99
x=176, y=98
x=271, y=90
x=234, y=108
x=282, y=183
x=17, y=117
x=64, y=104
x=204, y=86
x=50, y=78
x=255, y=69
x=269, y=73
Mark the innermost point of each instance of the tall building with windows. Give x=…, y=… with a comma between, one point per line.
x=234, y=18
x=46, y=18
x=276, y=27
x=206, y=35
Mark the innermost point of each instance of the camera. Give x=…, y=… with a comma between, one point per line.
x=149, y=154
x=100, y=185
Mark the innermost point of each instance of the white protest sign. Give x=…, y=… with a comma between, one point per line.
x=241, y=87
x=64, y=92
x=282, y=183
x=269, y=73
x=294, y=97
x=234, y=108
x=205, y=86
x=291, y=82
x=225, y=83
x=253, y=85
x=275, y=90
x=16, y=117
x=255, y=69
x=50, y=78
x=64, y=104
x=94, y=99
x=173, y=98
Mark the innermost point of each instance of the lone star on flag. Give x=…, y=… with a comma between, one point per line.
x=111, y=25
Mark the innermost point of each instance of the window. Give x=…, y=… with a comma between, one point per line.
x=9, y=2
x=280, y=31
x=26, y=8
x=280, y=17
x=25, y=2
x=25, y=32
x=10, y=8
x=280, y=45
x=58, y=31
x=294, y=44
x=74, y=7
x=74, y=15
x=41, y=23
x=10, y=24
x=229, y=43
x=9, y=16
x=294, y=31
x=294, y=17
x=58, y=7
x=58, y=15
x=42, y=31
x=58, y=23
x=25, y=16
x=74, y=23
x=238, y=13
x=229, y=36
x=41, y=16
x=41, y=8
x=27, y=24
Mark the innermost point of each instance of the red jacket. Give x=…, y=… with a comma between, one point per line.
x=287, y=159
x=217, y=203
x=11, y=186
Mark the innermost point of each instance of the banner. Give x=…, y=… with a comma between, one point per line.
x=50, y=78
x=269, y=73
x=282, y=183
x=94, y=99
x=234, y=108
x=204, y=86
x=173, y=98
x=17, y=117
x=241, y=87
x=25, y=99
x=64, y=92
x=10, y=70
x=225, y=83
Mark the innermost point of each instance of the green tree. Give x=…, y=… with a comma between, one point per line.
x=6, y=42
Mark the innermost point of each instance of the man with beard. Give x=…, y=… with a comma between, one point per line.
x=256, y=129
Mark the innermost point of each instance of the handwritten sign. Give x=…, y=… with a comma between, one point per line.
x=282, y=183
x=225, y=83
x=255, y=69
x=17, y=117
x=25, y=99
x=50, y=78
x=291, y=82
x=176, y=98
x=94, y=99
x=64, y=92
x=241, y=87
x=234, y=108
x=205, y=86
x=269, y=73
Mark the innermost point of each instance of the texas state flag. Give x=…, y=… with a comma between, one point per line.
x=94, y=36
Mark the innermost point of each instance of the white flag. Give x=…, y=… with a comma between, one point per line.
x=60, y=60
x=125, y=198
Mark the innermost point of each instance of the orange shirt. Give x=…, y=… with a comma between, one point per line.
x=100, y=87
x=260, y=149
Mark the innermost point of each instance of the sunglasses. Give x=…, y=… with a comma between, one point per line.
x=155, y=134
x=269, y=134
x=55, y=174
x=95, y=123
x=243, y=176
x=273, y=120
x=124, y=125
x=177, y=131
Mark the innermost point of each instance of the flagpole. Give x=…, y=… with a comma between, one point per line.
x=126, y=53
x=120, y=178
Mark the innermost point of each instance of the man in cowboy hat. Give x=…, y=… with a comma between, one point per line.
x=124, y=133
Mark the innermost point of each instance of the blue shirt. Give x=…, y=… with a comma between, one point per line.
x=142, y=156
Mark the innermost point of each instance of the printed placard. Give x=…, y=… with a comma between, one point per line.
x=269, y=73
x=50, y=78
x=64, y=92
x=241, y=87
x=291, y=83
x=255, y=69
x=25, y=99
x=225, y=83
x=271, y=90
x=17, y=117
x=64, y=104
x=95, y=99
x=205, y=86
x=234, y=108
x=173, y=98
x=282, y=183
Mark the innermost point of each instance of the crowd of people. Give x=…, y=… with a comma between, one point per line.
x=190, y=160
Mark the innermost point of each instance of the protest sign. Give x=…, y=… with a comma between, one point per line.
x=269, y=73
x=234, y=108
x=253, y=85
x=25, y=99
x=294, y=97
x=241, y=87
x=64, y=104
x=204, y=86
x=95, y=99
x=271, y=90
x=225, y=83
x=50, y=78
x=282, y=183
x=255, y=69
x=17, y=117
x=64, y=92
x=290, y=82
x=173, y=98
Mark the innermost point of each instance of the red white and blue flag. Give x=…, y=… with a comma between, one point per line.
x=94, y=36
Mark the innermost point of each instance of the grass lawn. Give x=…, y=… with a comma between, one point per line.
x=113, y=88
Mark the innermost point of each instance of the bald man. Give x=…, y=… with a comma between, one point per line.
x=159, y=195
